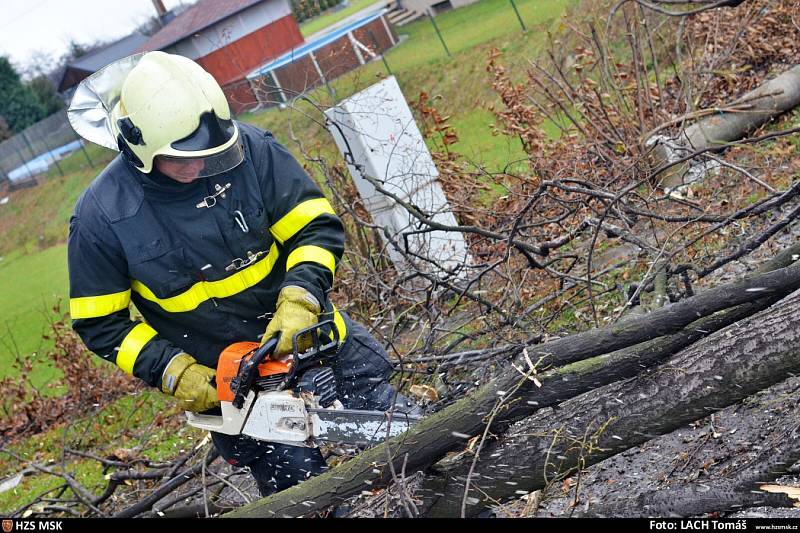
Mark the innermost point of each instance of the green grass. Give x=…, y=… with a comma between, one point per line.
x=459, y=82
x=147, y=424
x=33, y=262
x=467, y=27
x=321, y=22
x=30, y=285
x=80, y=161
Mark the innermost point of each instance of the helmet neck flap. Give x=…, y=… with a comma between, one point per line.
x=158, y=105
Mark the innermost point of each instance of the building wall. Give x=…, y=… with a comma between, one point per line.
x=231, y=29
x=71, y=78
x=236, y=45
x=234, y=61
x=422, y=6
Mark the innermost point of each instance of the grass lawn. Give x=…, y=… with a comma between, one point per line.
x=459, y=83
x=472, y=25
x=30, y=285
x=316, y=24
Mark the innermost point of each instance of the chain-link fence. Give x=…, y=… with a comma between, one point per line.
x=39, y=148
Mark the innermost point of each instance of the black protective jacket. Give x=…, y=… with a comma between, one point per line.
x=203, y=269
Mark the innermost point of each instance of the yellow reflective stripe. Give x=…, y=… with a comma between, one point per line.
x=313, y=254
x=338, y=321
x=96, y=306
x=132, y=345
x=298, y=217
x=203, y=291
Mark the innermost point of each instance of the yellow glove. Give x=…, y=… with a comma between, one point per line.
x=190, y=382
x=296, y=309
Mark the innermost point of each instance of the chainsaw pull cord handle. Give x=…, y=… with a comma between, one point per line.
x=248, y=370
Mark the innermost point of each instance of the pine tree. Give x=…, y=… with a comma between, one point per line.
x=18, y=103
x=46, y=94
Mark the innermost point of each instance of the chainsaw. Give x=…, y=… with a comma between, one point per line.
x=292, y=401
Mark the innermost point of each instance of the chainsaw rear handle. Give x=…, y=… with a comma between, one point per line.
x=248, y=370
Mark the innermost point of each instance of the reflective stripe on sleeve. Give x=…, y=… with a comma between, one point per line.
x=338, y=321
x=300, y=215
x=313, y=254
x=132, y=345
x=97, y=306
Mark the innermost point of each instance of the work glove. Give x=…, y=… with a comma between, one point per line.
x=190, y=382
x=296, y=309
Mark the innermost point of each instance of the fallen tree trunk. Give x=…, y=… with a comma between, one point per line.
x=719, y=370
x=738, y=490
x=448, y=429
x=753, y=110
x=730, y=123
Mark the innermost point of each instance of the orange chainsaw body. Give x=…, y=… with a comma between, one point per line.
x=228, y=367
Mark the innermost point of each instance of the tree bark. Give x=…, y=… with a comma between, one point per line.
x=738, y=119
x=774, y=97
x=450, y=428
x=717, y=371
x=737, y=490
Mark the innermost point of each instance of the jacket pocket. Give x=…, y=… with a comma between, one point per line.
x=247, y=223
x=163, y=270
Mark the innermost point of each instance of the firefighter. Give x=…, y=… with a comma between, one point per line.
x=217, y=235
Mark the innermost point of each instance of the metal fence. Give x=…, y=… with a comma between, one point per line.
x=315, y=63
x=39, y=148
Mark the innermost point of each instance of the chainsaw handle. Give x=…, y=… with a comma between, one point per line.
x=248, y=370
x=316, y=355
x=317, y=348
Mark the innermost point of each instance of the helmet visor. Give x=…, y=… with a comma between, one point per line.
x=202, y=166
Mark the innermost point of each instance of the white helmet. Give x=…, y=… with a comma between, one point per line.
x=161, y=105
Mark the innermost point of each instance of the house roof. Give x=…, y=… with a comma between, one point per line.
x=198, y=17
x=97, y=59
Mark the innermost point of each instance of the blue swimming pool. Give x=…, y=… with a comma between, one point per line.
x=42, y=162
x=311, y=46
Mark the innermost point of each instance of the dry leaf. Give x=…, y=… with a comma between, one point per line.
x=426, y=392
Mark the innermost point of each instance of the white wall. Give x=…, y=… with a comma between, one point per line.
x=422, y=6
x=376, y=124
x=231, y=29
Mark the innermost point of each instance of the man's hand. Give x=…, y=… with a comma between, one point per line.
x=190, y=382
x=296, y=309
